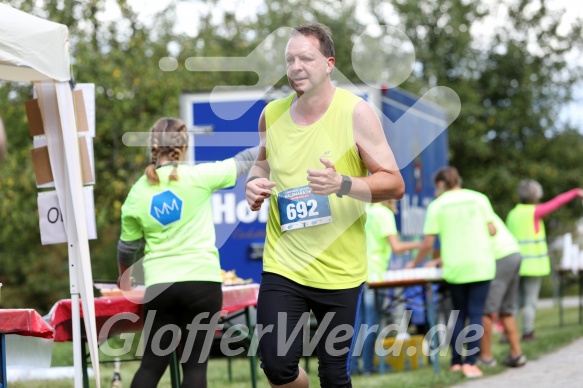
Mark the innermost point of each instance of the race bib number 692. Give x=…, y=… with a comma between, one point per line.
x=299, y=208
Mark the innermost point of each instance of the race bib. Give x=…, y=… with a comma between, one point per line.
x=299, y=208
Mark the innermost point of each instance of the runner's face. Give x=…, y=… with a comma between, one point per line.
x=307, y=68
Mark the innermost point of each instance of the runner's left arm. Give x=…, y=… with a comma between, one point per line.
x=384, y=182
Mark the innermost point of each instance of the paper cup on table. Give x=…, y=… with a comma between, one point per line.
x=415, y=273
x=575, y=258
x=434, y=271
x=429, y=272
x=398, y=274
x=566, y=261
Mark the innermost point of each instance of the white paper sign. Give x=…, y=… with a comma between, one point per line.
x=52, y=228
x=566, y=259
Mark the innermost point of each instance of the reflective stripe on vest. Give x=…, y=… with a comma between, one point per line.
x=532, y=241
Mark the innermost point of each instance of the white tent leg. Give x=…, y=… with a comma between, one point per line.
x=78, y=362
x=75, y=316
x=56, y=102
x=76, y=224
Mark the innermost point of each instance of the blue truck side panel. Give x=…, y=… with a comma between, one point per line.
x=237, y=228
x=418, y=138
x=419, y=142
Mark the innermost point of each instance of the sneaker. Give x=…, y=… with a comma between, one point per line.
x=471, y=371
x=491, y=363
x=455, y=368
x=515, y=362
x=528, y=337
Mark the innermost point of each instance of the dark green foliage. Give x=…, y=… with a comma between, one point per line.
x=511, y=89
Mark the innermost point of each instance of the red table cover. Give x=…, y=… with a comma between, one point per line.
x=25, y=322
x=235, y=298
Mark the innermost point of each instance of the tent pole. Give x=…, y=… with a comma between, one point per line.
x=80, y=277
x=76, y=316
x=77, y=361
x=56, y=118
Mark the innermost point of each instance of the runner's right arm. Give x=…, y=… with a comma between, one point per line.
x=258, y=186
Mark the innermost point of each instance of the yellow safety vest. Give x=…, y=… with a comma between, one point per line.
x=533, y=245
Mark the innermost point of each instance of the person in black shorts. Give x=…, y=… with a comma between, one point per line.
x=317, y=147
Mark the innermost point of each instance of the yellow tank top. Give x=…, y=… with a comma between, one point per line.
x=332, y=255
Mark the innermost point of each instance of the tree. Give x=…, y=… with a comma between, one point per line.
x=511, y=89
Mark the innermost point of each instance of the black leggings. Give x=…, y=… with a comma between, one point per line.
x=284, y=301
x=175, y=306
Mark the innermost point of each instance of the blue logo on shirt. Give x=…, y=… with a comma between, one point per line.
x=166, y=207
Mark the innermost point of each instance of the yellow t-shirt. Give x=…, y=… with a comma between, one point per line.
x=503, y=243
x=460, y=218
x=326, y=256
x=176, y=220
x=380, y=224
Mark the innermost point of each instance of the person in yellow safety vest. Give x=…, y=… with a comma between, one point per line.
x=525, y=223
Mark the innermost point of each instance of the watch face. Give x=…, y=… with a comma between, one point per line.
x=346, y=184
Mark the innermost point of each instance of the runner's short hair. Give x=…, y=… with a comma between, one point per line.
x=319, y=31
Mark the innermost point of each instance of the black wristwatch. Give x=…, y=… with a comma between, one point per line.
x=345, y=186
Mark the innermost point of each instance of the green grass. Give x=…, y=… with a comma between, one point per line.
x=549, y=337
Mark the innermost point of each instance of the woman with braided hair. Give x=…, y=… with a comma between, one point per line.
x=169, y=207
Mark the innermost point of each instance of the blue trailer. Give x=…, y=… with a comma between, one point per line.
x=223, y=124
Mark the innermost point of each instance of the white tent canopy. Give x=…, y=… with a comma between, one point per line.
x=36, y=50
x=32, y=49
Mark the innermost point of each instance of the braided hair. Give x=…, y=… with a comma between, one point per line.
x=168, y=137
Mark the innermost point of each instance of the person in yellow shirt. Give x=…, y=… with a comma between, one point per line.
x=382, y=239
x=318, y=146
x=169, y=208
x=463, y=219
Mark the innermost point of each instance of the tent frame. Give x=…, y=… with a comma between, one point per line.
x=46, y=63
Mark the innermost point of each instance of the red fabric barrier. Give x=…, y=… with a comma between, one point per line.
x=25, y=322
x=126, y=310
